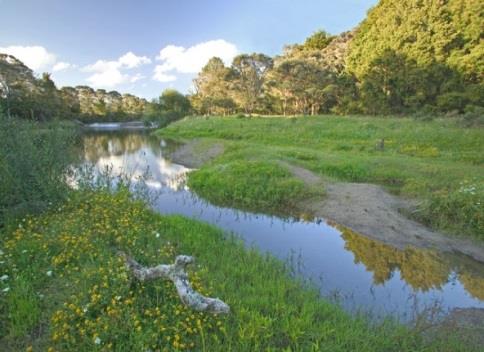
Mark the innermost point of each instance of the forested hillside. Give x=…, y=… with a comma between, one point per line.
x=26, y=96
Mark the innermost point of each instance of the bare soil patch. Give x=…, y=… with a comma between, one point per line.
x=193, y=154
x=370, y=210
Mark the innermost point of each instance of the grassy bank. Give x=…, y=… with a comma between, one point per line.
x=438, y=162
x=64, y=288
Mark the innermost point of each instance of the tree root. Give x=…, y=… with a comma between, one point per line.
x=176, y=273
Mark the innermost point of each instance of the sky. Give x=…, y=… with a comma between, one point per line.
x=143, y=47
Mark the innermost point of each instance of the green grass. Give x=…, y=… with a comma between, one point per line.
x=253, y=185
x=68, y=290
x=438, y=162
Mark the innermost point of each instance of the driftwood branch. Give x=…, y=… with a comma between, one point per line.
x=176, y=273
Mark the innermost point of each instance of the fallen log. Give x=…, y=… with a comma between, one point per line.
x=176, y=273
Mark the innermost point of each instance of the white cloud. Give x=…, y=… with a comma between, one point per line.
x=136, y=77
x=108, y=73
x=130, y=60
x=108, y=78
x=61, y=66
x=35, y=57
x=182, y=60
x=161, y=76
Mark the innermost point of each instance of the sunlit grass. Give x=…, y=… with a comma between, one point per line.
x=65, y=289
x=439, y=163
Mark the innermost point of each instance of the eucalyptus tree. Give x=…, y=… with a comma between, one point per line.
x=212, y=88
x=249, y=72
x=302, y=84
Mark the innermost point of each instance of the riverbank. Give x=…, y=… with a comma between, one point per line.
x=434, y=167
x=65, y=287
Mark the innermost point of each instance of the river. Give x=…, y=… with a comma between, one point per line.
x=359, y=273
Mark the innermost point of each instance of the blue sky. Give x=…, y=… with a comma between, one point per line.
x=145, y=46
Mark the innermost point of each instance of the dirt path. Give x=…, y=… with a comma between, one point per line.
x=373, y=212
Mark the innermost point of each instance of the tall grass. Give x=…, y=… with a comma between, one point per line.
x=34, y=160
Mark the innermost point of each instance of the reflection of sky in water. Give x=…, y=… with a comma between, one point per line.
x=362, y=273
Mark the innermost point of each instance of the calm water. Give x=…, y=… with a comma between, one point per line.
x=360, y=273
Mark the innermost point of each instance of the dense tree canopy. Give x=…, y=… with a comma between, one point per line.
x=249, y=72
x=212, y=87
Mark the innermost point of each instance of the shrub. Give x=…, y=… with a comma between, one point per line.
x=34, y=160
x=473, y=116
x=452, y=101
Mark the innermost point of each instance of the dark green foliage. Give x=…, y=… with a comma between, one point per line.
x=409, y=54
x=34, y=160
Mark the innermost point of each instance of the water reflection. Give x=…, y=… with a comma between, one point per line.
x=134, y=154
x=360, y=271
x=422, y=269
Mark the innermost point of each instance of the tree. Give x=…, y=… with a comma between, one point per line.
x=173, y=101
x=431, y=35
x=249, y=72
x=302, y=83
x=213, y=89
x=280, y=85
x=70, y=101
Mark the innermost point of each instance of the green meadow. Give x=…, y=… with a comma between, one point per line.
x=438, y=163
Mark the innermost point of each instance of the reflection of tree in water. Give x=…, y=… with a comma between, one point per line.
x=421, y=269
x=99, y=145
x=424, y=269
x=474, y=284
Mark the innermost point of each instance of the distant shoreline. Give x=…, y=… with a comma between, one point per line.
x=107, y=126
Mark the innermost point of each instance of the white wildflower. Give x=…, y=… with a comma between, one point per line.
x=49, y=273
x=3, y=277
x=97, y=341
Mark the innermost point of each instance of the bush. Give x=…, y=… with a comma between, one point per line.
x=452, y=101
x=458, y=209
x=473, y=116
x=34, y=160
